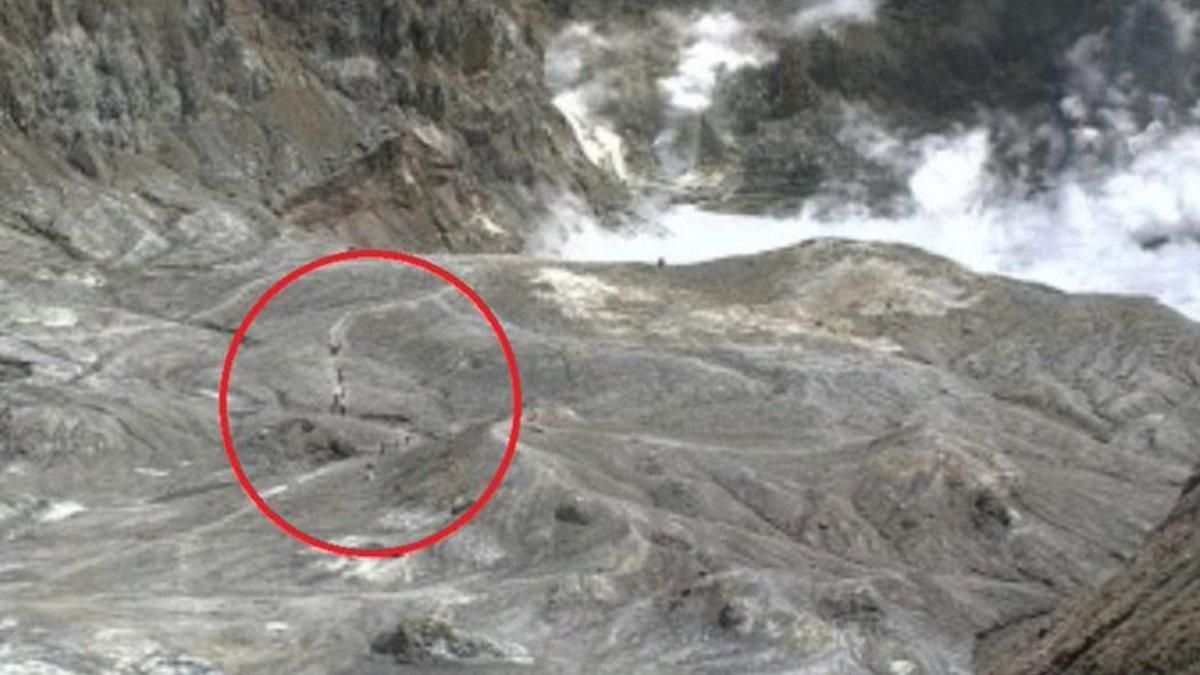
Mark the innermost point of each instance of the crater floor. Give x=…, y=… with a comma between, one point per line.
x=838, y=457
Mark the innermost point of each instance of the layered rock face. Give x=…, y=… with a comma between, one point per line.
x=1143, y=620
x=421, y=125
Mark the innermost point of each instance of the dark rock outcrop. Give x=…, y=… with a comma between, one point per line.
x=1145, y=619
x=429, y=642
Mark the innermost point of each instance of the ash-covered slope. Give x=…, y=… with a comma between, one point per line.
x=834, y=458
x=1143, y=620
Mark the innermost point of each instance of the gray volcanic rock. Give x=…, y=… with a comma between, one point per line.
x=423, y=125
x=1143, y=620
x=837, y=457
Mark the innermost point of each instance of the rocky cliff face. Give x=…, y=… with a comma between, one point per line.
x=1143, y=620
x=128, y=127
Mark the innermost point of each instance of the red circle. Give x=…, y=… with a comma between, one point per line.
x=514, y=380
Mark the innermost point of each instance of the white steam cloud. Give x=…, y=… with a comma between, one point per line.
x=1124, y=219
x=717, y=43
x=827, y=13
x=1184, y=20
x=1084, y=235
x=579, y=94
